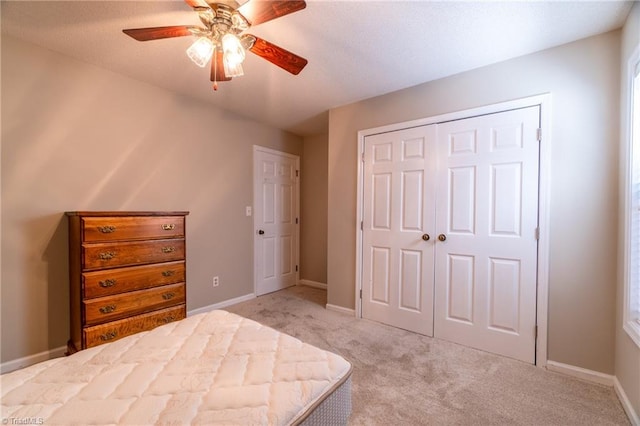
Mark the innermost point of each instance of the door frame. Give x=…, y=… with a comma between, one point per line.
x=544, y=102
x=255, y=225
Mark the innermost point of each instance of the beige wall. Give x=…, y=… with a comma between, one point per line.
x=627, y=366
x=77, y=137
x=313, y=210
x=583, y=79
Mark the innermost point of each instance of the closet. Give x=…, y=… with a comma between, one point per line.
x=450, y=230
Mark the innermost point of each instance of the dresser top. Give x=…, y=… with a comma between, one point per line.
x=124, y=213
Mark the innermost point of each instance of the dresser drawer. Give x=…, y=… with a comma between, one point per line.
x=120, y=280
x=109, y=308
x=96, y=229
x=111, y=255
x=99, y=334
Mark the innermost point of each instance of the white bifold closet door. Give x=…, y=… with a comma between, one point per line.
x=450, y=231
x=399, y=194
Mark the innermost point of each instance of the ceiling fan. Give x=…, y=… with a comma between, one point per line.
x=222, y=35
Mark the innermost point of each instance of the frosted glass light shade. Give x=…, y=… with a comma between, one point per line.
x=200, y=52
x=232, y=49
x=233, y=70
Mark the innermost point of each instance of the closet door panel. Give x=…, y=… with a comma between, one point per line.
x=487, y=213
x=399, y=189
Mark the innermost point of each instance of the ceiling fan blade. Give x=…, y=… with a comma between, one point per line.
x=197, y=3
x=259, y=11
x=278, y=56
x=155, y=33
x=217, y=67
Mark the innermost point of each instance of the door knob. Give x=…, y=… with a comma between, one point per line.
x=261, y=232
x=426, y=237
x=442, y=237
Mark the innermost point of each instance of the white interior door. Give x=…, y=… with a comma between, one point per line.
x=275, y=220
x=487, y=209
x=399, y=189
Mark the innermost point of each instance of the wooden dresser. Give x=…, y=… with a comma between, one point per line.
x=127, y=274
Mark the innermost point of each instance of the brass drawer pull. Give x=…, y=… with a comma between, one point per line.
x=107, y=229
x=168, y=319
x=168, y=273
x=168, y=226
x=107, y=255
x=168, y=296
x=107, y=283
x=108, y=309
x=168, y=249
x=110, y=335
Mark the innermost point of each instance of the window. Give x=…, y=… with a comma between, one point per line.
x=632, y=282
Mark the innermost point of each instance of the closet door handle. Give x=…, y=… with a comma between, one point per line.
x=426, y=237
x=442, y=237
x=261, y=232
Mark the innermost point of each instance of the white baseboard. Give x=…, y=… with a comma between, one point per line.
x=26, y=361
x=600, y=378
x=315, y=284
x=221, y=305
x=626, y=404
x=581, y=373
x=337, y=308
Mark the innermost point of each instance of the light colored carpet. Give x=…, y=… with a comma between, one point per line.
x=402, y=378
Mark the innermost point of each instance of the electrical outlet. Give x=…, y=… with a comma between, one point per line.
x=216, y=281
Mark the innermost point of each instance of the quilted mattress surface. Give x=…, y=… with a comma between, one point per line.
x=213, y=368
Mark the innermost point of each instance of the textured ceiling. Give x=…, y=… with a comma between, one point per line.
x=356, y=49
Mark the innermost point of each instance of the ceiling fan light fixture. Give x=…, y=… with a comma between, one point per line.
x=222, y=33
x=200, y=51
x=233, y=70
x=234, y=53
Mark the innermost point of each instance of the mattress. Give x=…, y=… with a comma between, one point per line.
x=212, y=368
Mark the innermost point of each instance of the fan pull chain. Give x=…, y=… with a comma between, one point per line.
x=214, y=58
